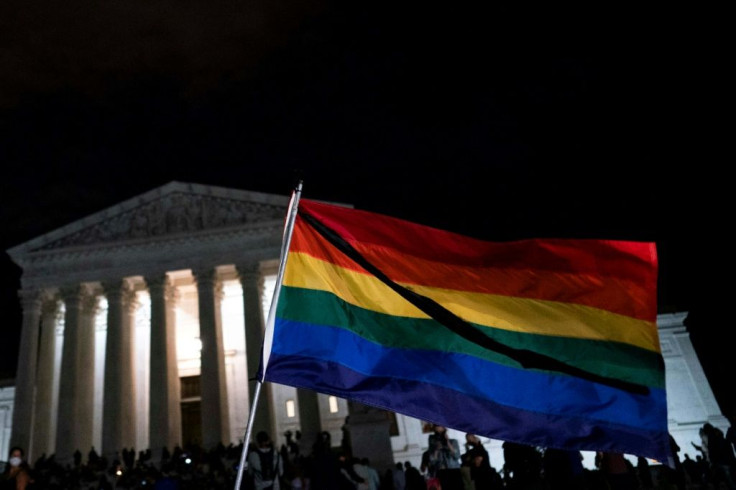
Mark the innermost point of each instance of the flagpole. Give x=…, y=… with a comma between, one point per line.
x=248, y=430
x=285, y=244
x=268, y=335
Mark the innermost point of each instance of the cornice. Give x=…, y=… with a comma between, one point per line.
x=207, y=248
x=671, y=320
x=250, y=231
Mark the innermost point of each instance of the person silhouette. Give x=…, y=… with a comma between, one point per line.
x=265, y=465
x=563, y=469
x=323, y=468
x=444, y=457
x=720, y=456
x=644, y=473
x=414, y=479
x=617, y=470
x=474, y=447
x=398, y=477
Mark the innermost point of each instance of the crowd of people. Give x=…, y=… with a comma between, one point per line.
x=444, y=466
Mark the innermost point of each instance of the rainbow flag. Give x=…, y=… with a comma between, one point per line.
x=545, y=342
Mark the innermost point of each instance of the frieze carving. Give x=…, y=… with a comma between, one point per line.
x=178, y=212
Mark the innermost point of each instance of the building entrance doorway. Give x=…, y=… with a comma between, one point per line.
x=191, y=411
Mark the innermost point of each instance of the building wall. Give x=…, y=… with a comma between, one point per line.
x=7, y=396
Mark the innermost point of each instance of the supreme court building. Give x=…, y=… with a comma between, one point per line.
x=142, y=328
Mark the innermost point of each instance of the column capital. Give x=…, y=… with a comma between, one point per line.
x=164, y=286
x=51, y=305
x=130, y=301
x=75, y=293
x=158, y=282
x=114, y=289
x=121, y=291
x=250, y=274
x=72, y=297
x=248, y=269
x=91, y=304
x=209, y=278
x=30, y=299
x=202, y=276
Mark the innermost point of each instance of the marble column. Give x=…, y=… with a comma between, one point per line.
x=43, y=418
x=69, y=427
x=118, y=406
x=86, y=358
x=369, y=435
x=165, y=398
x=215, y=416
x=25, y=377
x=252, y=281
x=310, y=421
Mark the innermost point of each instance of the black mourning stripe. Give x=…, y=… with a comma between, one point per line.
x=528, y=359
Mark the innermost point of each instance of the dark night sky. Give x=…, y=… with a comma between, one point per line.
x=494, y=123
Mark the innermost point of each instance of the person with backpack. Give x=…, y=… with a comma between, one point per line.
x=265, y=465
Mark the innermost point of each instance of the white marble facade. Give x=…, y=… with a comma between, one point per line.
x=124, y=308
x=7, y=395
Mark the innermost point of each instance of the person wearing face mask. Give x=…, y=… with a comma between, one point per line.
x=16, y=475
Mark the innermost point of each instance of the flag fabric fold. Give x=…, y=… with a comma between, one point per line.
x=546, y=342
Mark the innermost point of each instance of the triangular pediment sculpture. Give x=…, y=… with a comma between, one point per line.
x=176, y=208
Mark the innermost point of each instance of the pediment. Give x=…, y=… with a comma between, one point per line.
x=174, y=209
